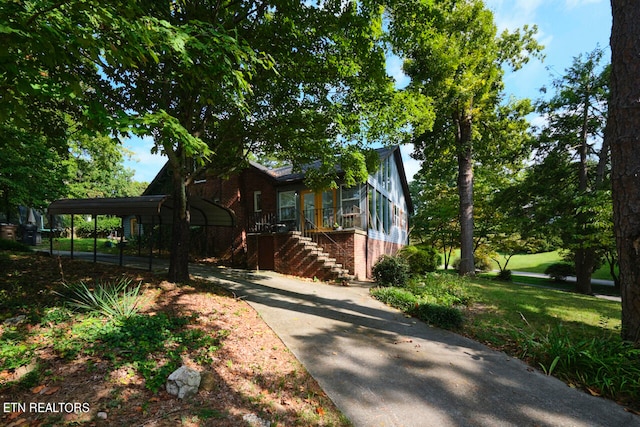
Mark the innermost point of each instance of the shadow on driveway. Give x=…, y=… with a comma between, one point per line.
x=382, y=368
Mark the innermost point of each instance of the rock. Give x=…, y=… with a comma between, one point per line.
x=207, y=381
x=102, y=415
x=256, y=421
x=183, y=382
x=15, y=320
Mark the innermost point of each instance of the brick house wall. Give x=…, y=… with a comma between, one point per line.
x=237, y=194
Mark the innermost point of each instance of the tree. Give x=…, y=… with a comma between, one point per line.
x=292, y=78
x=576, y=116
x=622, y=134
x=453, y=54
x=31, y=172
x=95, y=168
x=435, y=219
x=211, y=81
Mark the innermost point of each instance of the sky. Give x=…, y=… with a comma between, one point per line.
x=567, y=28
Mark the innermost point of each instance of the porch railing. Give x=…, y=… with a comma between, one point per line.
x=308, y=221
x=317, y=224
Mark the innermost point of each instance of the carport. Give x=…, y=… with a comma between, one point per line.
x=149, y=210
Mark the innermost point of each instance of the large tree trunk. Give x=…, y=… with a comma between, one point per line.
x=180, y=233
x=465, y=191
x=585, y=258
x=624, y=131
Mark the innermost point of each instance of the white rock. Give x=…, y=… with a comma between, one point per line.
x=256, y=421
x=102, y=415
x=183, y=382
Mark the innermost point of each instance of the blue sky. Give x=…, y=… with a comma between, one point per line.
x=567, y=28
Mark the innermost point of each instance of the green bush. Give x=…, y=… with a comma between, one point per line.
x=443, y=289
x=390, y=271
x=481, y=260
x=438, y=315
x=421, y=260
x=12, y=245
x=105, y=226
x=401, y=299
x=559, y=271
x=435, y=299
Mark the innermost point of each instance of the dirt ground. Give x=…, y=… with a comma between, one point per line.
x=252, y=378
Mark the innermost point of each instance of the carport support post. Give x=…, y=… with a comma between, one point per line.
x=151, y=242
x=51, y=235
x=72, y=236
x=121, y=239
x=95, y=238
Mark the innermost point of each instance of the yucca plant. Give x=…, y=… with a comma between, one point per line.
x=117, y=299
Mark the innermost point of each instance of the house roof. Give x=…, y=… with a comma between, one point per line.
x=149, y=209
x=286, y=174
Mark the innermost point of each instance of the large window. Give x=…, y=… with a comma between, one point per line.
x=350, y=200
x=287, y=205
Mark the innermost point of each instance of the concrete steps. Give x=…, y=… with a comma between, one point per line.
x=310, y=260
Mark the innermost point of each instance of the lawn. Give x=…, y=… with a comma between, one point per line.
x=537, y=263
x=574, y=337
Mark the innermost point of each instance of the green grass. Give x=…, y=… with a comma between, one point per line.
x=104, y=246
x=537, y=263
x=574, y=337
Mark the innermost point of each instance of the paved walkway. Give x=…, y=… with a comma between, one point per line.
x=384, y=369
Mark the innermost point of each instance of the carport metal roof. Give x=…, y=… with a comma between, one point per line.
x=148, y=209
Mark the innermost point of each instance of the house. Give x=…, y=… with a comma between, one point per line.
x=281, y=225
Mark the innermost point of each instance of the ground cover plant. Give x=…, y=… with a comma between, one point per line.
x=434, y=298
x=57, y=346
x=571, y=336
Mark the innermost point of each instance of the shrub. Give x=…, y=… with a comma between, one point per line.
x=482, y=259
x=559, y=271
x=504, y=275
x=112, y=299
x=438, y=315
x=12, y=245
x=444, y=289
x=390, y=271
x=105, y=226
x=401, y=299
x=421, y=260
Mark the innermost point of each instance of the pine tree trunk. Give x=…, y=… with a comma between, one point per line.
x=180, y=233
x=465, y=191
x=624, y=131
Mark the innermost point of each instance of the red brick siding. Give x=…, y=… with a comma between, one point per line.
x=235, y=193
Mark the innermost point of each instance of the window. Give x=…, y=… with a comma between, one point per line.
x=386, y=215
x=257, y=201
x=350, y=200
x=372, y=209
x=287, y=205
